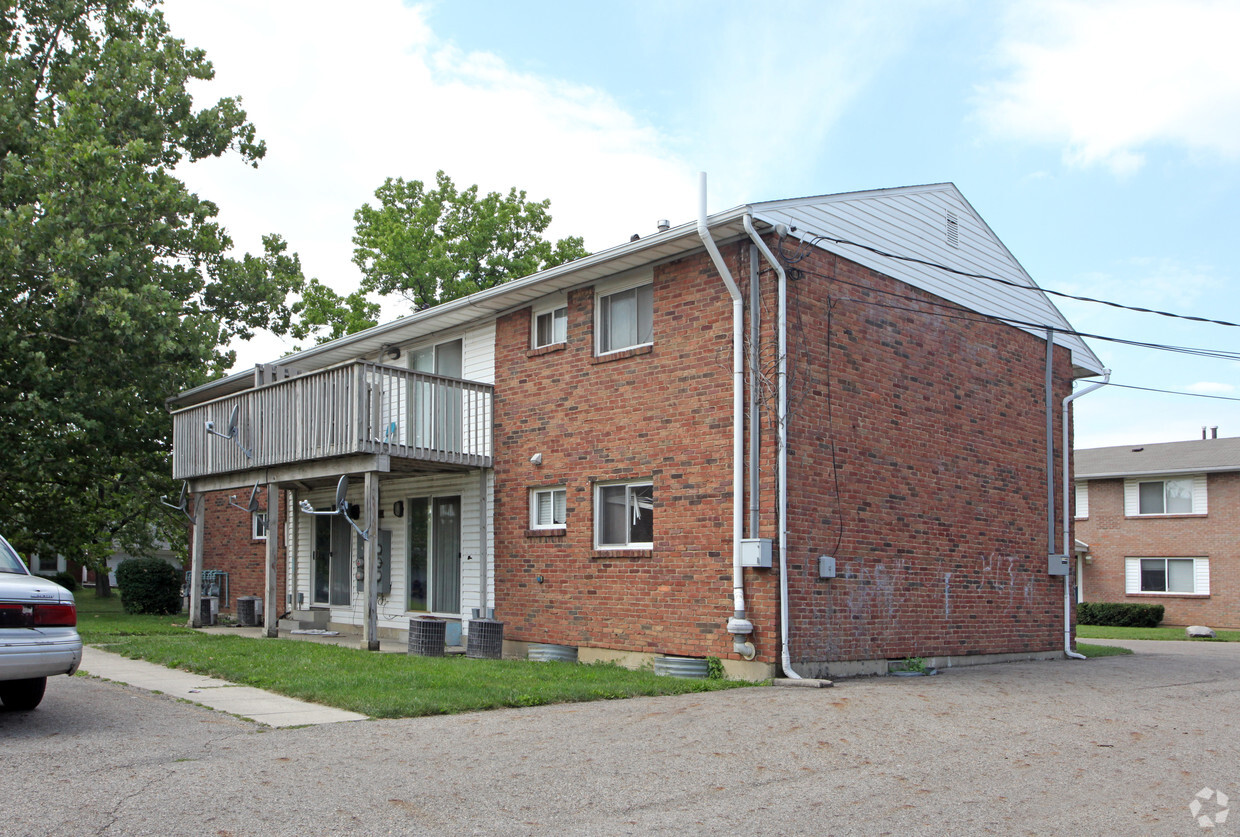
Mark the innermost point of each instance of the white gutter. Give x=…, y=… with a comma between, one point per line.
x=1067, y=525
x=782, y=489
x=739, y=626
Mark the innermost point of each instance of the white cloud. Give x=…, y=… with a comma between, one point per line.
x=1211, y=388
x=1110, y=81
x=346, y=100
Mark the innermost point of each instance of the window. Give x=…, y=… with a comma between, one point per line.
x=1178, y=495
x=626, y=319
x=551, y=327
x=548, y=508
x=1172, y=576
x=624, y=515
x=258, y=525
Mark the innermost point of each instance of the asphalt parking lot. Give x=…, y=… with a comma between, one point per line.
x=1119, y=745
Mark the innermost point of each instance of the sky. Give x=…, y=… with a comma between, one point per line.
x=1099, y=140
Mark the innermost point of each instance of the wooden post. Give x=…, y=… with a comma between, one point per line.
x=483, y=515
x=195, y=561
x=270, y=606
x=370, y=518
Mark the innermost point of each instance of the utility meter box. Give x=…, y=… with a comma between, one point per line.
x=756, y=552
x=1057, y=564
x=826, y=566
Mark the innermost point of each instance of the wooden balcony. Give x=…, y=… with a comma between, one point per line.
x=423, y=420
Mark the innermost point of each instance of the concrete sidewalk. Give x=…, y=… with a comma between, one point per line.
x=261, y=706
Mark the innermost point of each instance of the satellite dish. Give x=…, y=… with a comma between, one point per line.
x=182, y=504
x=342, y=489
x=251, y=506
x=232, y=421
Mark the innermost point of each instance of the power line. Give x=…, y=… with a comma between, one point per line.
x=968, y=315
x=1010, y=283
x=1172, y=392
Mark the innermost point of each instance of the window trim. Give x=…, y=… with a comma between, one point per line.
x=599, y=545
x=254, y=518
x=600, y=293
x=548, y=527
x=544, y=310
x=1201, y=576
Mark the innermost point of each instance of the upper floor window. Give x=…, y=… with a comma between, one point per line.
x=550, y=327
x=548, y=508
x=624, y=515
x=626, y=319
x=1082, y=500
x=1178, y=495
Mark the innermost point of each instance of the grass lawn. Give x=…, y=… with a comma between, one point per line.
x=1092, y=651
x=1102, y=632
x=379, y=685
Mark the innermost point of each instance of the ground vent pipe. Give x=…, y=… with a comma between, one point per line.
x=782, y=490
x=739, y=626
x=1067, y=524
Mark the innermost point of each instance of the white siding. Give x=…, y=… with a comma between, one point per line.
x=913, y=223
x=392, y=611
x=479, y=351
x=1082, y=500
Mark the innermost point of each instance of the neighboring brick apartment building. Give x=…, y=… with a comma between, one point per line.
x=1159, y=524
x=587, y=452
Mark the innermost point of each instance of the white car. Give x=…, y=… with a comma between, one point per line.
x=38, y=632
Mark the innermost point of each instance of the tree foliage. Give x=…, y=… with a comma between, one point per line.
x=114, y=280
x=434, y=245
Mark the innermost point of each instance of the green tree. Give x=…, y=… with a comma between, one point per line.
x=434, y=245
x=114, y=280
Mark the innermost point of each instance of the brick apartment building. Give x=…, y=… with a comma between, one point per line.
x=1158, y=524
x=759, y=438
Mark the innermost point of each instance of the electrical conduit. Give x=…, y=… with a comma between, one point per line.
x=1067, y=526
x=739, y=626
x=782, y=421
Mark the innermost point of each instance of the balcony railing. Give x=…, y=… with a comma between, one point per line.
x=357, y=408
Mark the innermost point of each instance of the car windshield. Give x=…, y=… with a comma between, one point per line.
x=9, y=562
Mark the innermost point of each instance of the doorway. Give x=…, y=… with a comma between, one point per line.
x=434, y=554
x=330, y=581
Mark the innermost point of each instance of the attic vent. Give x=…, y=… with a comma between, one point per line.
x=953, y=230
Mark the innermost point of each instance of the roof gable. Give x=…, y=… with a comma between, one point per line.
x=935, y=224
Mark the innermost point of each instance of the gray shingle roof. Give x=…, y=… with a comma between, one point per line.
x=1193, y=457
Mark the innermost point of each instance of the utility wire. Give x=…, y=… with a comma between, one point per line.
x=1171, y=392
x=1019, y=285
x=967, y=314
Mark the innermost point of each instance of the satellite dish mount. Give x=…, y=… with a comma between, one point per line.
x=232, y=432
x=182, y=504
x=342, y=507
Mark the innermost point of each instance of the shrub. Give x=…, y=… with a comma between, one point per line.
x=1119, y=614
x=65, y=580
x=149, y=585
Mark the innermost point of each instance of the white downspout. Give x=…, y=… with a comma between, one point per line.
x=739, y=626
x=1067, y=525
x=782, y=421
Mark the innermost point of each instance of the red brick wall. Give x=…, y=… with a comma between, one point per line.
x=663, y=415
x=939, y=433
x=228, y=546
x=938, y=524
x=1112, y=537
